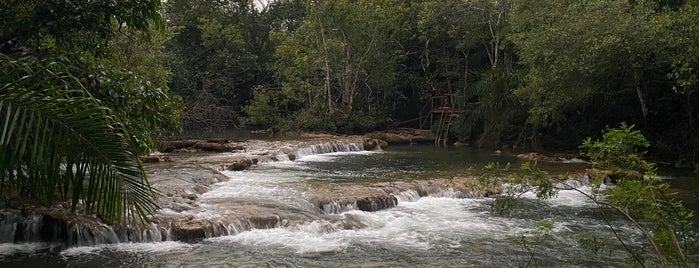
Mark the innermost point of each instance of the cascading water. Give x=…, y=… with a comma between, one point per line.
x=272, y=215
x=330, y=147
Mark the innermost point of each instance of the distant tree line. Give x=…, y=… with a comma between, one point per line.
x=544, y=74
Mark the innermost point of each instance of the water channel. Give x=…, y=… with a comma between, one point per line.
x=429, y=231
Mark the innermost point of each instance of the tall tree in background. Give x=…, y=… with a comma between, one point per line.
x=214, y=58
x=340, y=63
x=466, y=43
x=681, y=31
x=591, y=64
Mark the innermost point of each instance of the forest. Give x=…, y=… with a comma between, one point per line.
x=529, y=74
x=88, y=86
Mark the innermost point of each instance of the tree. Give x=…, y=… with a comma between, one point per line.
x=340, y=64
x=586, y=56
x=681, y=31
x=66, y=66
x=132, y=80
x=644, y=202
x=466, y=53
x=214, y=58
x=112, y=48
x=58, y=143
x=44, y=26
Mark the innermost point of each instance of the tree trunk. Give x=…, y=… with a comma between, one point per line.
x=466, y=53
x=639, y=92
x=327, y=64
x=347, y=76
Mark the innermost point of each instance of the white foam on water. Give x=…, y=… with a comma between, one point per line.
x=569, y=198
x=157, y=247
x=78, y=251
x=419, y=225
x=407, y=196
x=300, y=241
x=254, y=185
x=573, y=160
x=282, y=166
x=331, y=157
x=23, y=248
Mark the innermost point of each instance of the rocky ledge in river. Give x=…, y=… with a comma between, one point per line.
x=190, y=175
x=197, y=222
x=403, y=136
x=185, y=217
x=338, y=198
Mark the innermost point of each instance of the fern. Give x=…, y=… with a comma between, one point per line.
x=57, y=143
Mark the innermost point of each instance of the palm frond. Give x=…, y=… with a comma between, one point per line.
x=57, y=143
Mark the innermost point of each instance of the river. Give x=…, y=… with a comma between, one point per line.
x=430, y=231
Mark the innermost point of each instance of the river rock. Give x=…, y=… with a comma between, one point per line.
x=375, y=203
x=216, y=146
x=190, y=229
x=404, y=136
x=170, y=146
x=371, y=144
x=238, y=165
x=155, y=159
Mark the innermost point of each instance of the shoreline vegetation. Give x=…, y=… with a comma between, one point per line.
x=86, y=87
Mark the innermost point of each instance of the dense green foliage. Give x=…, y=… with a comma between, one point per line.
x=644, y=202
x=58, y=143
x=619, y=148
x=83, y=92
x=114, y=49
x=529, y=73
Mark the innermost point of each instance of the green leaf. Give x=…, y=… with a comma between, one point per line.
x=53, y=138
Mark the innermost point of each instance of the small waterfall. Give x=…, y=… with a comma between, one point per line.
x=225, y=229
x=315, y=227
x=150, y=233
x=16, y=228
x=222, y=229
x=407, y=196
x=87, y=235
x=451, y=193
x=330, y=147
x=74, y=231
x=337, y=207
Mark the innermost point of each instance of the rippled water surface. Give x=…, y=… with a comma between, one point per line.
x=418, y=232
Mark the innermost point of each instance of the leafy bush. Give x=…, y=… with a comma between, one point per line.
x=620, y=148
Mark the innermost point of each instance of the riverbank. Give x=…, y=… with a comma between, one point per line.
x=405, y=201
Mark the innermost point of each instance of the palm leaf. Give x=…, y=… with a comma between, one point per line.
x=57, y=143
